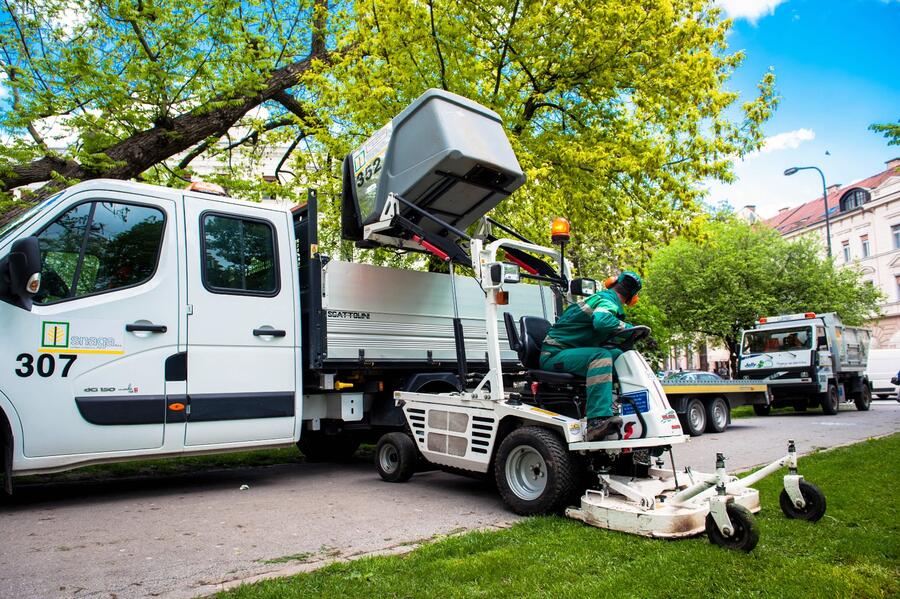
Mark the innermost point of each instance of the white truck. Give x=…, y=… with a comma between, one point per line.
x=141, y=321
x=807, y=360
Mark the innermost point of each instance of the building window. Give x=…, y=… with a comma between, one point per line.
x=866, y=250
x=895, y=232
x=846, y=246
x=854, y=199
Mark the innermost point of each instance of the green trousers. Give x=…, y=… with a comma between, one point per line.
x=594, y=363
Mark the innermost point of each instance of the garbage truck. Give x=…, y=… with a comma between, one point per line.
x=807, y=360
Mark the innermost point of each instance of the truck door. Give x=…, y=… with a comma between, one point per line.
x=242, y=342
x=87, y=363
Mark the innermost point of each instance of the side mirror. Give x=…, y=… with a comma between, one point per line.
x=583, y=286
x=20, y=273
x=504, y=272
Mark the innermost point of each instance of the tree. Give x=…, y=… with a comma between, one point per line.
x=891, y=132
x=733, y=273
x=615, y=109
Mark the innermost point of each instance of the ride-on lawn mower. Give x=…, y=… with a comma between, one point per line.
x=528, y=433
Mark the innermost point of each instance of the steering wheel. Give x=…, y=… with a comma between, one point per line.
x=626, y=339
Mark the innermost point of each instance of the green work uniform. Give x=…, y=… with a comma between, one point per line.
x=573, y=345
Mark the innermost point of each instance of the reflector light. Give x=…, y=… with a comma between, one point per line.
x=205, y=187
x=762, y=320
x=810, y=315
x=176, y=407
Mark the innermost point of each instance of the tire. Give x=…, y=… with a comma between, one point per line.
x=746, y=532
x=694, y=420
x=396, y=457
x=718, y=412
x=815, y=503
x=761, y=410
x=863, y=400
x=319, y=447
x=535, y=473
x=831, y=401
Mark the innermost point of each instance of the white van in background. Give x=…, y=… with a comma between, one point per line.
x=883, y=365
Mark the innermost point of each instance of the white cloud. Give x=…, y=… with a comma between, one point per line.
x=789, y=140
x=752, y=10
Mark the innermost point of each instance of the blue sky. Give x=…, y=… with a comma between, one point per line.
x=837, y=68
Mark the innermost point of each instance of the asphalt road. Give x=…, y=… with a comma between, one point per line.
x=184, y=536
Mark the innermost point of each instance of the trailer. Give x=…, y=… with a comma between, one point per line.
x=808, y=360
x=705, y=406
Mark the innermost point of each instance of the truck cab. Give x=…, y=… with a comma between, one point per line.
x=807, y=360
x=133, y=279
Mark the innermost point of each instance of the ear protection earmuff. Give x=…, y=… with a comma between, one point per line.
x=633, y=300
x=609, y=282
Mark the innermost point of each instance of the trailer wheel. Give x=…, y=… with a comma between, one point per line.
x=319, y=447
x=745, y=535
x=863, y=400
x=534, y=472
x=815, y=503
x=762, y=410
x=694, y=420
x=717, y=415
x=395, y=457
x=831, y=401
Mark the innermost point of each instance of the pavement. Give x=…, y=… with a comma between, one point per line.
x=190, y=535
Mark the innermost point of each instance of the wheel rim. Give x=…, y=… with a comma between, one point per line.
x=720, y=416
x=696, y=417
x=835, y=400
x=389, y=459
x=526, y=473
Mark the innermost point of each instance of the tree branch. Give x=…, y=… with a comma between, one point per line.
x=512, y=23
x=437, y=45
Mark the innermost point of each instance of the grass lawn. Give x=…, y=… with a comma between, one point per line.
x=854, y=551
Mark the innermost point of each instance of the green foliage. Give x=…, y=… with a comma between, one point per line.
x=733, y=273
x=891, y=132
x=854, y=551
x=615, y=109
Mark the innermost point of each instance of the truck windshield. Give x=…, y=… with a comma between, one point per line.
x=757, y=342
x=9, y=228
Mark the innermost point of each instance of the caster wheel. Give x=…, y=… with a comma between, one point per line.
x=745, y=535
x=815, y=503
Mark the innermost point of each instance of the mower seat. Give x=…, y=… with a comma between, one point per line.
x=526, y=342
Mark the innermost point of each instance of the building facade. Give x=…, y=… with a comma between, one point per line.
x=865, y=232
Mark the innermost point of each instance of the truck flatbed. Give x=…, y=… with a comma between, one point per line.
x=705, y=406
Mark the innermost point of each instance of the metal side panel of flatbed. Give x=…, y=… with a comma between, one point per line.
x=376, y=314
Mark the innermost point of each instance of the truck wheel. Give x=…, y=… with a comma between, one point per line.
x=864, y=400
x=762, y=410
x=395, y=457
x=815, y=503
x=319, y=447
x=694, y=420
x=534, y=472
x=717, y=413
x=831, y=401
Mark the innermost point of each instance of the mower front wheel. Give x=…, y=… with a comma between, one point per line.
x=534, y=471
x=812, y=496
x=745, y=535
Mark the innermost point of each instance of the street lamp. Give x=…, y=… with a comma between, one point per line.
x=794, y=169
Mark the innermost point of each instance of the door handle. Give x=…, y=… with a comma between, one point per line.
x=146, y=328
x=269, y=333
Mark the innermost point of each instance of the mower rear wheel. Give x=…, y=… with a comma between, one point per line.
x=815, y=503
x=762, y=410
x=534, y=471
x=395, y=457
x=694, y=418
x=864, y=399
x=745, y=535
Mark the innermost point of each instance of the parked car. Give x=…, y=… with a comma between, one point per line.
x=694, y=376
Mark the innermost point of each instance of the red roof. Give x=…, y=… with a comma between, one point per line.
x=813, y=211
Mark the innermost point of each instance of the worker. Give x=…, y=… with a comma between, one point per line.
x=573, y=345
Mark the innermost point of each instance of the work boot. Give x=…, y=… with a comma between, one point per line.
x=600, y=428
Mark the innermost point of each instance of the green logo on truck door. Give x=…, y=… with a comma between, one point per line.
x=55, y=334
